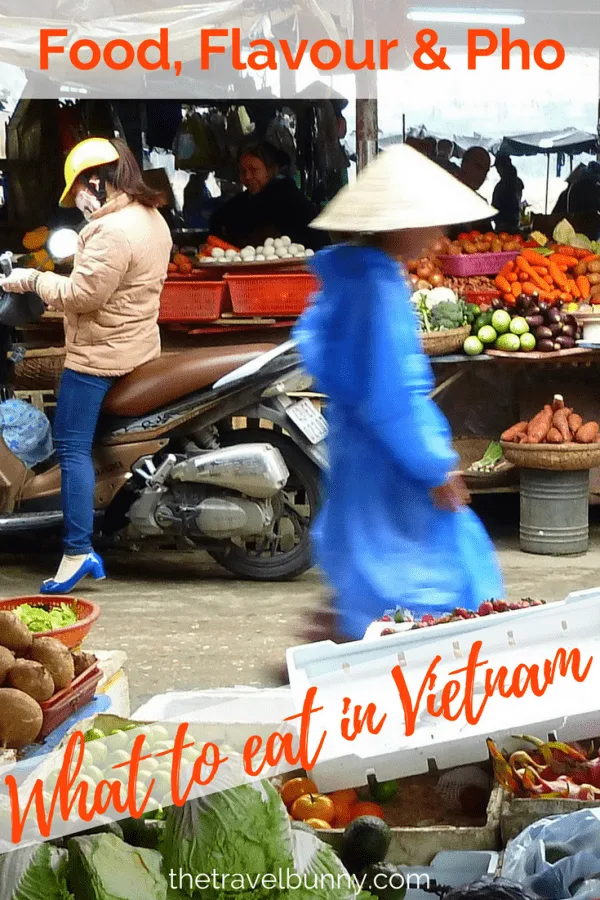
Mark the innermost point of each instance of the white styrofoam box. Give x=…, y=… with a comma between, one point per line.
x=375, y=628
x=450, y=868
x=362, y=671
x=227, y=715
x=114, y=682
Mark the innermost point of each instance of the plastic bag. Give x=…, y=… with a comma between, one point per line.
x=26, y=431
x=577, y=834
x=195, y=146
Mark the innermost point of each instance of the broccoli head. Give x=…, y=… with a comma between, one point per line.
x=447, y=315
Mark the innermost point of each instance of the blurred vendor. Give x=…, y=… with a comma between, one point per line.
x=271, y=206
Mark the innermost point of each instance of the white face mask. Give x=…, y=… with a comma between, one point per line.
x=87, y=203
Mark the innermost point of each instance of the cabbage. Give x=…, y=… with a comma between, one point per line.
x=103, y=867
x=244, y=833
x=245, y=830
x=564, y=233
x=38, y=872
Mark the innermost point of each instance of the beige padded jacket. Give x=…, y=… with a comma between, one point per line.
x=111, y=300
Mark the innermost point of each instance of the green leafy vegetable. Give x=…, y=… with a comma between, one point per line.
x=490, y=459
x=564, y=233
x=103, y=867
x=37, y=618
x=38, y=872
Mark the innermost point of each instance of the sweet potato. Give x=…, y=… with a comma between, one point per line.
x=561, y=424
x=588, y=433
x=555, y=437
x=511, y=434
x=575, y=422
x=540, y=425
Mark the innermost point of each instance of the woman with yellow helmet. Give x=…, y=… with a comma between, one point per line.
x=110, y=303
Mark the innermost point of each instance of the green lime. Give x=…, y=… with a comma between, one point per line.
x=519, y=326
x=510, y=343
x=501, y=321
x=527, y=342
x=473, y=346
x=383, y=791
x=487, y=335
x=483, y=319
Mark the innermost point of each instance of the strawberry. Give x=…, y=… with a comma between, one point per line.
x=500, y=606
x=486, y=608
x=460, y=613
x=387, y=631
x=428, y=619
x=385, y=619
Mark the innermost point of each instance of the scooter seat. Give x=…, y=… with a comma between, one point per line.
x=174, y=375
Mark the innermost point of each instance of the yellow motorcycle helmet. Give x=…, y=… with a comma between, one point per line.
x=87, y=155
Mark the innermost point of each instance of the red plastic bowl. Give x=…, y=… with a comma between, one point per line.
x=72, y=636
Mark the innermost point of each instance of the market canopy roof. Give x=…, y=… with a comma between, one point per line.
x=570, y=141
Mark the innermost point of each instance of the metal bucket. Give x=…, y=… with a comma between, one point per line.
x=554, y=512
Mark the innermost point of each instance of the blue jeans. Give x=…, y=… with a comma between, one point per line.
x=80, y=399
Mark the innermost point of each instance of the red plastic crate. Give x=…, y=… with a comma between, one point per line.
x=475, y=263
x=270, y=295
x=192, y=300
x=58, y=709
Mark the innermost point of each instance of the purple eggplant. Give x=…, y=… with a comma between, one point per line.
x=553, y=316
x=543, y=306
x=572, y=321
x=555, y=328
x=568, y=331
x=564, y=343
x=497, y=303
x=534, y=321
x=545, y=346
x=543, y=334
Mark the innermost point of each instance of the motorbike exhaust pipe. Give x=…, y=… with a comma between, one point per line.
x=30, y=521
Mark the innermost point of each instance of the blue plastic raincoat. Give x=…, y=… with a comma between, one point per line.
x=379, y=539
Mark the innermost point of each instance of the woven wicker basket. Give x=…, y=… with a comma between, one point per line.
x=440, y=343
x=560, y=457
x=41, y=369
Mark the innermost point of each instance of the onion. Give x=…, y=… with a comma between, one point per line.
x=423, y=285
x=424, y=271
x=414, y=279
x=412, y=265
x=437, y=279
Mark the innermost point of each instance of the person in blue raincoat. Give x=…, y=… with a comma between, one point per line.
x=394, y=529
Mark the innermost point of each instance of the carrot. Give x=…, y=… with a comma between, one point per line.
x=509, y=299
x=507, y=269
x=512, y=278
x=555, y=295
x=517, y=288
x=511, y=434
x=522, y=264
x=574, y=289
x=563, y=259
x=541, y=270
x=523, y=276
x=565, y=297
x=549, y=280
x=532, y=256
x=584, y=286
x=559, y=278
x=528, y=288
x=563, y=269
x=503, y=284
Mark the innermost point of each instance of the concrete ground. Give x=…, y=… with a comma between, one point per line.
x=184, y=623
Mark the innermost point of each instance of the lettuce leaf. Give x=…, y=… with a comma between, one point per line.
x=564, y=233
x=323, y=877
x=38, y=872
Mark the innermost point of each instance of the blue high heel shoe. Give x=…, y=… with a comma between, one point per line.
x=92, y=565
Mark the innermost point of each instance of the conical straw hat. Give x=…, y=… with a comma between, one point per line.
x=400, y=189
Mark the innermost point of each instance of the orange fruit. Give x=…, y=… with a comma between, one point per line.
x=366, y=809
x=297, y=787
x=343, y=816
x=344, y=798
x=317, y=823
x=313, y=806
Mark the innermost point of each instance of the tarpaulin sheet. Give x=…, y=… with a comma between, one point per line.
x=569, y=141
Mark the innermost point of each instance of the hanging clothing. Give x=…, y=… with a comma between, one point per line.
x=379, y=539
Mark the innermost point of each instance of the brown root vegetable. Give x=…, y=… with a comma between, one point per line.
x=32, y=678
x=595, y=290
x=7, y=661
x=511, y=434
x=594, y=279
x=575, y=422
x=560, y=421
x=540, y=425
x=593, y=265
x=581, y=268
x=588, y=433
x=56, y=658
x=555, y=437
x=21, y=719
x=83, y=661
x=14, y=634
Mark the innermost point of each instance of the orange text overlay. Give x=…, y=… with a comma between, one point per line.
x=326, y=55
x=453, y=698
